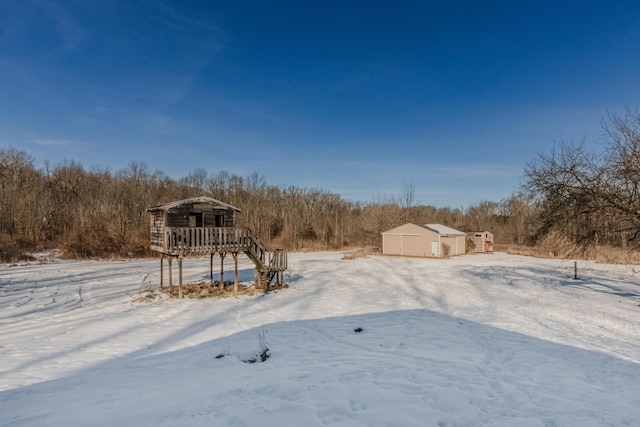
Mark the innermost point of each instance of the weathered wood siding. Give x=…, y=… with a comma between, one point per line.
x=157, y=238
x=198, y=224
x=211, y=216
x=185, y=240
x=157, y=221
x=483, y=241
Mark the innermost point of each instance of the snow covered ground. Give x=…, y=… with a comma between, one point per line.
x=476, y=340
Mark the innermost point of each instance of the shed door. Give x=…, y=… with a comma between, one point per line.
x=434, y=249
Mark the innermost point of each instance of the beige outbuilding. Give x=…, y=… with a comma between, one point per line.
x=424, y=240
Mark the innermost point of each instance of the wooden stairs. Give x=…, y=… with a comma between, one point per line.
x=270, y=265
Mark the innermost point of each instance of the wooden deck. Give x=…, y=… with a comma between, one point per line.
x=182, y=241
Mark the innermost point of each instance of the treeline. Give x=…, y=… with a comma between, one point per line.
x=572, y=201
x=98, y=212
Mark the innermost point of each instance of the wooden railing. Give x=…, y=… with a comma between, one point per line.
x=180, y=241
x=203, y=240
x=194, y=240
x=277, y=262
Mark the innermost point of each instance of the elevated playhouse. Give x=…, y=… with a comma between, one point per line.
x=203, y=225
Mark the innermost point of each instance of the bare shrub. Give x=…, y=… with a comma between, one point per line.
x=469, y=245
x=146, y=283
x=263, y=354
x=557, y=245
x=137, y=246
x=601, y=254
x=354, y=254
x=283, y=240
x=446, y=250
x=77, y=244
x=15, y=250
x=264, y=347
x=613, y=255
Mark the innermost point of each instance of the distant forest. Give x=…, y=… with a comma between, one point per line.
x=570, y=199
x=99, y=212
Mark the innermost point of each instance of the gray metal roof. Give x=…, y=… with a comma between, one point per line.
x=443, y=230
x=200, y=199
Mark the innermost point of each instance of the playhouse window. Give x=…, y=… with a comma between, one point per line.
x=195, y=219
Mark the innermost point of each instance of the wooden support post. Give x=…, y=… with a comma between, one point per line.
x=161, y=271
x=235, y=275
x=180, y=283
x=170, y=272
x=222, y=255
x=211, y=268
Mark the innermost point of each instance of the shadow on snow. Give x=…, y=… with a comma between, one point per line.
x=401, y=367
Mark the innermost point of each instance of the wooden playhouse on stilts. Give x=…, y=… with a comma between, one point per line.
x=203, y=225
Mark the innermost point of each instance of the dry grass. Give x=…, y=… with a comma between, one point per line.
x=15, y=250
x=360, y=252
x=601, y=254
x=144, y=296
x=209, y=289
x=354, y=254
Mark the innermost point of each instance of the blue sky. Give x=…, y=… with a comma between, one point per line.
x=357, y=98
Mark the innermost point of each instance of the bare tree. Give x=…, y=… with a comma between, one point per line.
x=591, y=198
x=19, y=188
x=196, y=181
x=407, y=200
x=515, y=217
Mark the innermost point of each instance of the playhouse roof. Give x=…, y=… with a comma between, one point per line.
x=191, y=200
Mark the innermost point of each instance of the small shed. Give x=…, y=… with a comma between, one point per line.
x=423, y=240
x=483, y=241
